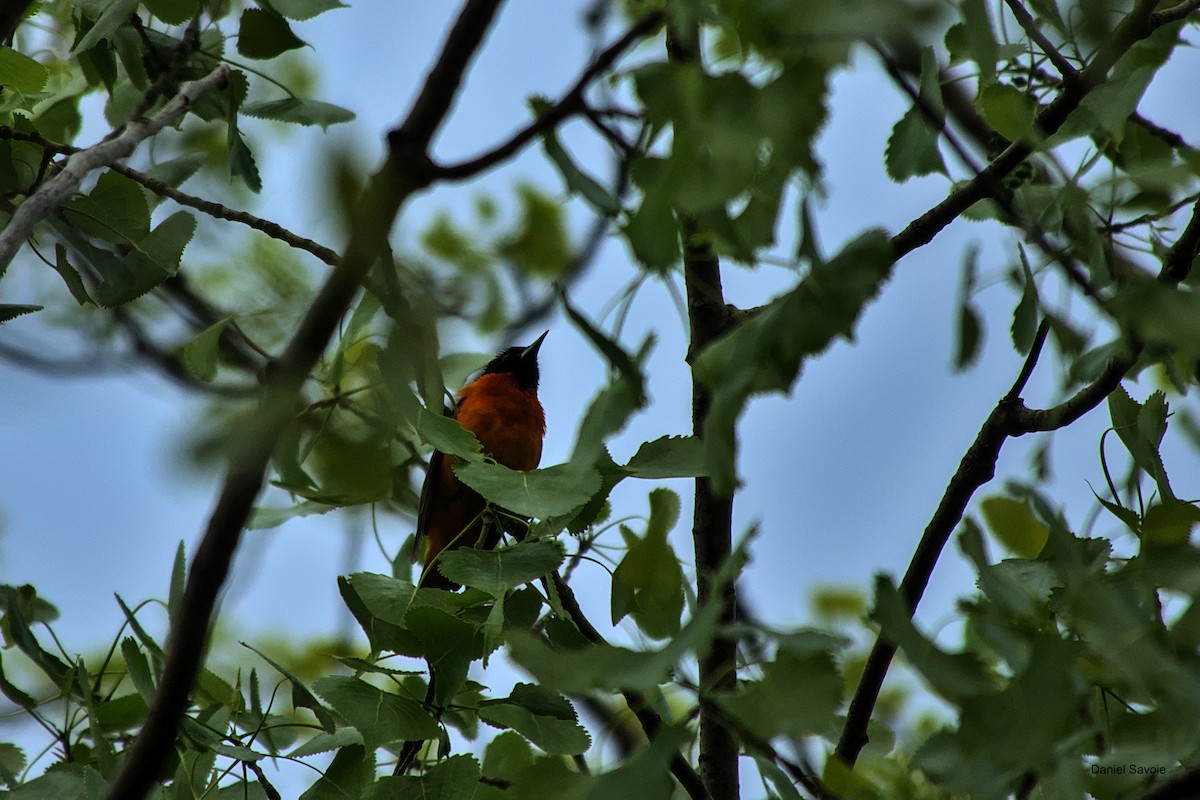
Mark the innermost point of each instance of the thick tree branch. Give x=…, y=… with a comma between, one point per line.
x=54, y=192
x=570, y=104
x=404, y=172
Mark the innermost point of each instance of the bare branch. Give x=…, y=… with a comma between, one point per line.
x=570, y=104
x=1030, y=26
x=1174, y=13
x=54, y=192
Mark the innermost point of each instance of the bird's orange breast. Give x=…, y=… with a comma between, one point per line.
x=507, y=420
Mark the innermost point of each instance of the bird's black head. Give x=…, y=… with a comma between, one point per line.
x=520, y=362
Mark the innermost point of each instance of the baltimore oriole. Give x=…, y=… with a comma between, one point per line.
x=501, y=408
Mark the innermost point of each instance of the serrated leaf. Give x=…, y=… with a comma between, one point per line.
x=455, y=778
x=495, y=571
x=138, y=668
x=115, y=210
x=349, y=775
x=912, y=149
x=302, y=697
x=648, y=583
x=20, y=72
x=445, y=434
x=324, y=742
x=70, y=276
x=380, y=604
x=798, y=695
x=381, y=717
x=173, y=12
x=1012, y=523
x=299, y=111
x=304, y=9
x=241, y=161
x=549, y=492
x=555, y=736
x=669, y=457
x=113, y=17
x=1025, y=316
x=10, y=311
x=264, y=34
x=766, y=352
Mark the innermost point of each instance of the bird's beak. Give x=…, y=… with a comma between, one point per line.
x=530, y=352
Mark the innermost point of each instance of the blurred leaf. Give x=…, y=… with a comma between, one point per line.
x=349, y=775
x=1140, y=429
x=241, y=161
x=324, y=742
x=507, y=755
x=14, y=694
x=578, y=181
x=21, y=73
x=766, y=352
x=70, y=276
x=10, y=311
x=1012, y=523
x=912, y=149
x=1009, y=111
x=299, y=111
x=1025, y=316
x=445, y=434
x=798, y=695
x=540, y=244
x=1169, y=522
x=173, y=12
x=648, y=583
x=669, y=457
x=265, y=517
x=113, y=16
x=381, y=717
x=495, y=571
x=301, y=696
x=201, y=354
x=549, y=492
x=455, y=778
x=304, y=9
x=265, y=34
x=955, y=676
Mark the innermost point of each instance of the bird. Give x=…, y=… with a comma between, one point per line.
x=502, y=409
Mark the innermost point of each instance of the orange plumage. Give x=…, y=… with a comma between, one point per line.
x=501, y=408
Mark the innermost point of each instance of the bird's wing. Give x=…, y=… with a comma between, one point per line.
x=428, y=490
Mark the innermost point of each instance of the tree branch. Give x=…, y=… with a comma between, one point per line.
x=11, y=14
x=1184, y=784
x=1030, y=26
x=1136, y=26
x=570, y=104
x=54, y=192
x=403, y=173
x=650, y=720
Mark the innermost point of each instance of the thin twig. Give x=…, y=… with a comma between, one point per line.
x=571, y=103
x=1030, y=26
x=163, y=189
x=54, y=192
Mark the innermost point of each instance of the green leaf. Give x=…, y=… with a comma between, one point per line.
x=380, y=604
x=578, y=181
x=324, y=742
x=265, y=517
x=13, y=693
x=653, y=232
x=114, y=16
x=1025, y=316
x=912, y=149
x=953, y=675
x=115, y=210
x=455, y=778
x=241, y=161
x=138, y=668
x=1009, y=111
x=301, y=696
x=445, y=434
x=669, y=457
x=1012, y=523
x=507, y=756
x=70, y=276
x=349, y=775
x=540, y=244
x=304, y=9
x=544, y=717
x=10, y=311
x=12, y=761
x=201, y=354
x=550, y=492
x=381, y=717
x=648, y=583
x=1169, y=522
x=173, y=12
x=299, y=111
x=496, y=571
x=265, y=34
x=154, y=259
x=21, y=73
x=1140, y=429
x=449, y=644
x=976, y=40
x=175, y=172
x=766, y=352
x=798, y=695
